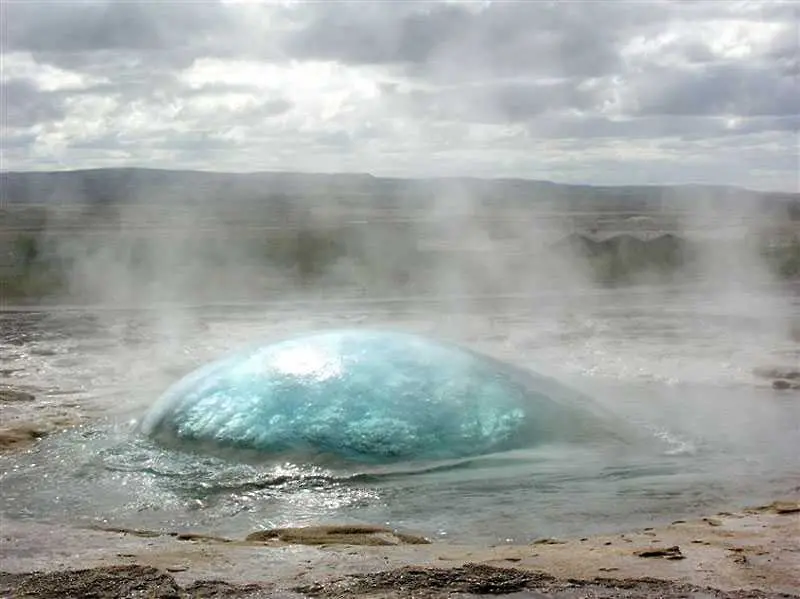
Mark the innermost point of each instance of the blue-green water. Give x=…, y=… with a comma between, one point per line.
x=677, y=371
x=370, y=396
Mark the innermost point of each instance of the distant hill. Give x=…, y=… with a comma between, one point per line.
x=123, y=185
x=221, y=234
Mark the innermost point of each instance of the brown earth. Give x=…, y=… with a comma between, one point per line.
x=17, y=431
x=753, y=553
x=338, y=535
x=20, y=437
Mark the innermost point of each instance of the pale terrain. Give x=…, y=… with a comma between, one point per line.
x=753, y=553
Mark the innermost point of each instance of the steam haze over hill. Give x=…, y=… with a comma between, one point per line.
x=122, y=235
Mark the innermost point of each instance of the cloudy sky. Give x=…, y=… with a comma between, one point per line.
x=653, y=91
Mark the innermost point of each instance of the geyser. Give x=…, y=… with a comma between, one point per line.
x=362, y=395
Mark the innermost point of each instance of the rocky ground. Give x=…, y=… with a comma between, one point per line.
x=751, y=554
x=18, y=430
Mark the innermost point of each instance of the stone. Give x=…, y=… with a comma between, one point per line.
x=337, y=535
x=10, y=394
x=672, y=553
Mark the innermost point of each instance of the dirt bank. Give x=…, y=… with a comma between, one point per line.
x=753, y=553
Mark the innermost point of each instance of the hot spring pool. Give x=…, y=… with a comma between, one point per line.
x=676, y=372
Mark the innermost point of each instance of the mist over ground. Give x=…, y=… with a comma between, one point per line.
x=461, y=149
x=132, y=236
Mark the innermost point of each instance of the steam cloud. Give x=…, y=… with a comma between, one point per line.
x=636, y=93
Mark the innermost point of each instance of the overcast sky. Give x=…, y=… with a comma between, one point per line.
x=656, y=91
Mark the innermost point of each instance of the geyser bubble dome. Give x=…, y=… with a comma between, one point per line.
x=362, y=395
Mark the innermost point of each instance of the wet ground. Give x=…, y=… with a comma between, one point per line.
x=753, y=553
x=465, y=582
x=63, y=369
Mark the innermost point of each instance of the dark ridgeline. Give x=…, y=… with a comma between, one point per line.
x=97, y=187
x=121, y=185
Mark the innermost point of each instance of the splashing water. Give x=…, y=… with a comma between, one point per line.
x=364, y=395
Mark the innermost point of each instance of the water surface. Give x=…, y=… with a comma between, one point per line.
x=675, y=365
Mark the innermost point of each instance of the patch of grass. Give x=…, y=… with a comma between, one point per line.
x=621, y=259
x=784, y=259
x=31, y=284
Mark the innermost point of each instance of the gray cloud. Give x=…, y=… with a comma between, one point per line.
x=472, y=83
x=22, y=104
x=17, y=141
x=74, y=27
x=124, y=35
x=680, y=128
x=502, y=38
x=372, y=33
x=497, y=102
x=783, y=53
x=719, y=89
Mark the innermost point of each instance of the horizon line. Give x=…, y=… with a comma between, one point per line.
x=397, y=177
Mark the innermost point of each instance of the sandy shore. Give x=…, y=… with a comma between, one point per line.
x=752, y=553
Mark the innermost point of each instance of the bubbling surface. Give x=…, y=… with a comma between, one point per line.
x=360, y=395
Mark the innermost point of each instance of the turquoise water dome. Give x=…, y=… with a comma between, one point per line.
x=363, y=395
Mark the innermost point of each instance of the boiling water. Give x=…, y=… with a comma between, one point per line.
x=675, y=366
